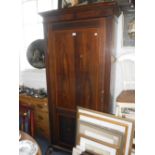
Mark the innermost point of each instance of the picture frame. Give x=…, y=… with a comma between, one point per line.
x=125, y=126
x=77, y=150
x=125, y=110
x=100, y=133
x=127, y=41
x=67, y=3
x=95, y=147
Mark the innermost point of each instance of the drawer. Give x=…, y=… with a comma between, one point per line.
x=39, y=101
x=43, y=130
x=43, y=126
x=66, y=123
x=41, y=117
x=27, y=104
x=42, y=122
x=25, y=98
x=42, y=104
x=42, y=107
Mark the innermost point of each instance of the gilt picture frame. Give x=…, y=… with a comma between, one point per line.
x=96, y=147
x=102, y=134
x=125, y=126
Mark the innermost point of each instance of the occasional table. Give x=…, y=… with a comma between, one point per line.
x=25, y=136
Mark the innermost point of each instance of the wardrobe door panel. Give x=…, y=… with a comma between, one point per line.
x=63, y=47
x=66, y=127
x=88, y=60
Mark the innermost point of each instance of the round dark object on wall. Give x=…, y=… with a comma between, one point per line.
x=36, y=54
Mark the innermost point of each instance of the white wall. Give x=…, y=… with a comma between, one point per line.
x=32, y=30
x=33, y=78
x=125, y=70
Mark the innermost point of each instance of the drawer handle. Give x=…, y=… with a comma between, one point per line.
x=40, y=106
x=40, y=117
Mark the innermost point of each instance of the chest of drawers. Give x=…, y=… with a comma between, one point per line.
x=41, y=118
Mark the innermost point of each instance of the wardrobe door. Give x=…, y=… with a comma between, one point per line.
x=89, y=55
x=62, y=72
x=66, y=128
x=64, y=55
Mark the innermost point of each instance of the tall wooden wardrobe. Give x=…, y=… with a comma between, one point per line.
x=80, y=45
